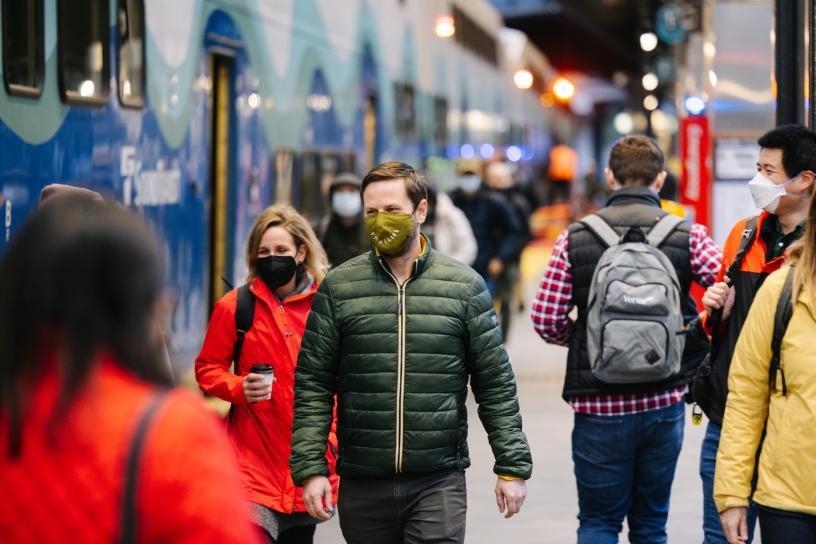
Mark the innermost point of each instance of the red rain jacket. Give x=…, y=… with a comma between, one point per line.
x=66, y=486
x=261, y=432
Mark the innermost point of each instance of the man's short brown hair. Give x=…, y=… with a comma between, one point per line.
x=636, y=160
x=415, y=183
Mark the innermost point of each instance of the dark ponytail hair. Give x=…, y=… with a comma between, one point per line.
x=80, y=278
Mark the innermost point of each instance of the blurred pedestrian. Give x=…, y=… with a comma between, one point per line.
x=563, y=165
x=629, y=418
x=397, y=334
x=772, y=391
x=501, y=181
x=344, y=236
x=60, y=189
x=286, y=264
x=93, y=447
x=448, y=229
x=494, y=224
x=754, y=248
x=54, y=191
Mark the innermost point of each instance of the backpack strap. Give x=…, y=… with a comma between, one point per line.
x=129, y=514
x=663, y=228
x=601, y=229
x=244, y=315
x=782, y=316
x=748, y=237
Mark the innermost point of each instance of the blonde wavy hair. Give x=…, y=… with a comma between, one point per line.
x=803, y=255
x=284, y=215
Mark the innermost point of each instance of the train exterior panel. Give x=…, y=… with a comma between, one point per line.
x=245, y=103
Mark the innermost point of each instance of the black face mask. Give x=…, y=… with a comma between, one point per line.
x=275, y=270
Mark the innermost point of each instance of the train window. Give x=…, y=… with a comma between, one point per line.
x=405, y=110
x=83, y=45
x=23, y=47
x=348, y=162
x=440, y=120
x=131, y=53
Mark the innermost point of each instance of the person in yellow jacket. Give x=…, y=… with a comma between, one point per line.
x=786, y=489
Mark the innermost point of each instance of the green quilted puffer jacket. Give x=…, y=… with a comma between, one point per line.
x=399, y=358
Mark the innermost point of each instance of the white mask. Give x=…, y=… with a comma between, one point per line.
x=469, y=183
x=766, y=193
x=346, y=203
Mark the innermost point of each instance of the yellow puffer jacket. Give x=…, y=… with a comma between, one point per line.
x=787, y=465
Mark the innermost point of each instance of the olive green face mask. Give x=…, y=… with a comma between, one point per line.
x=390, y=232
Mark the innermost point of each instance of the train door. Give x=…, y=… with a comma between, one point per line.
x=221, y=159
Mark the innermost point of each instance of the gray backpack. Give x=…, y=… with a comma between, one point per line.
x=635, y=330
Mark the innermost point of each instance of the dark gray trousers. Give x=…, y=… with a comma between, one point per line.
x=404, y=509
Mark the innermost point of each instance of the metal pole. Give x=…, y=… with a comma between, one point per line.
x=790, y=65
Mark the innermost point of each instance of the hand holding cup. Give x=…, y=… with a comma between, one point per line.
x=258, y=384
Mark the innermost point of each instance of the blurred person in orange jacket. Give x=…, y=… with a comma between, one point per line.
x=286, y=264
x=93, y=447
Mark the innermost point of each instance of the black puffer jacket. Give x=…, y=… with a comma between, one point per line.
x=399, y=360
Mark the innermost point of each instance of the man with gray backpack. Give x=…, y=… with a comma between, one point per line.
x=627, y=269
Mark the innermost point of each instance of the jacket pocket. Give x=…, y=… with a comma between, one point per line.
x=633, y=351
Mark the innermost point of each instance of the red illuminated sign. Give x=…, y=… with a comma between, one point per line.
x=695, y=183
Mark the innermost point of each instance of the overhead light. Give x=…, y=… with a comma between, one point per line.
x=648, y=41
x=254, y=100
x=640, y=121
x=694, y=105
x=623, y=123
x=651, y=102
x=650, y=81
x=513, y=153
x=563, y=89
x=486, y=151
x=445, y=26
x=523, y=79
x=466, y=151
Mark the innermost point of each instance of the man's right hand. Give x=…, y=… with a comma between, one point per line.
x=317, y=491
x=255, y=389
x=719, y=295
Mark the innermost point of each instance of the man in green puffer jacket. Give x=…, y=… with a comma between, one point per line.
x=395, y=334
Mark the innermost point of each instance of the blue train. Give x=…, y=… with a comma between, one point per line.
x=200, y=113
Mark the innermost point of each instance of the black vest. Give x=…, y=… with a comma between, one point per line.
x=626, y=208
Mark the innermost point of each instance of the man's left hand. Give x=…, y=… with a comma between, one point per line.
x=495, y=267
x=510, y=495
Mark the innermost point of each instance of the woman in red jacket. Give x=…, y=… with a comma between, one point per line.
x=285, y=263
x=81, y=373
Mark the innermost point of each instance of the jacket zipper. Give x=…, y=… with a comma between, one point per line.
x=400, y=408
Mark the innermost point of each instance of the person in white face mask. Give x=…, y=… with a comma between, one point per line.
x=344, y=235
x=494, y=224
x=756, y=247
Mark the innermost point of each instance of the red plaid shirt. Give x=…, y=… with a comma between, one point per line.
x=553, y=304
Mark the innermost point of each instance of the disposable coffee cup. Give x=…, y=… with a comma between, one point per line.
x=266, y=371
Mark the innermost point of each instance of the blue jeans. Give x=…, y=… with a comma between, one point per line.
x=712, y=529
x=624, y=468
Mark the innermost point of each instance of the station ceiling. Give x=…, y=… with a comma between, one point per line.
x=594, y=36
